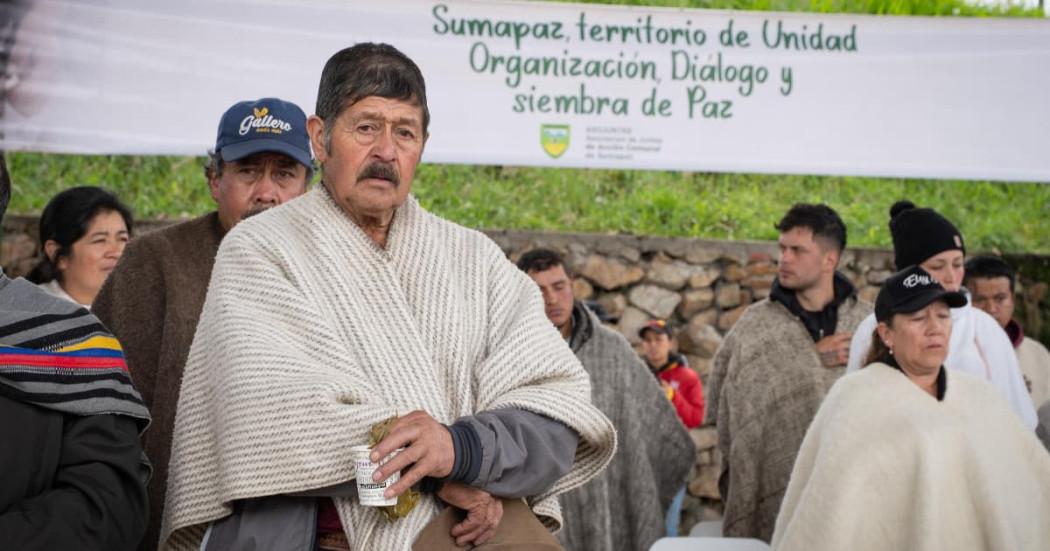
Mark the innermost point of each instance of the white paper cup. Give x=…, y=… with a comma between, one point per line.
x=370, y=492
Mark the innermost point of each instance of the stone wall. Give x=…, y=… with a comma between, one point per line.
x=702, y=286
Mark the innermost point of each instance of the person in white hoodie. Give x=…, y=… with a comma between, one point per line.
x=922, y=237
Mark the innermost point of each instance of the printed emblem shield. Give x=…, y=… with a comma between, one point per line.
x=555, y=139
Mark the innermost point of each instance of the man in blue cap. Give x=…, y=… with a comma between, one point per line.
x=154, y=297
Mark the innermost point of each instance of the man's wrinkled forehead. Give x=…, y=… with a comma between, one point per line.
x=408, y=111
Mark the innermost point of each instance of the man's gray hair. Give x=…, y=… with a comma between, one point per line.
x=363, y=70
x=213, y=167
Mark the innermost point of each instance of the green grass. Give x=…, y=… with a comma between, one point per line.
x=1007, y=217
x=1010, y=217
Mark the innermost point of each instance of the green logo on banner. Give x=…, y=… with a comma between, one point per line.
x=555, y=139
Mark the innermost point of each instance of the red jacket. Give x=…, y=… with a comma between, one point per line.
x=688, y=391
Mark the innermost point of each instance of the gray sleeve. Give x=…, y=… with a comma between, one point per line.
x=511, y=452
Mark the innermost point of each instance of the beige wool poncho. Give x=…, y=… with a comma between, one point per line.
x=887, y=467
x=310, y=334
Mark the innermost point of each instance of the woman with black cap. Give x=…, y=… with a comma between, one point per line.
x=907, y=455
x=978, y=346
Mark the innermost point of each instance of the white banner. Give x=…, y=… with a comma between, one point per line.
x=571, y=85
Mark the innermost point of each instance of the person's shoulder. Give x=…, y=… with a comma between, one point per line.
x=862, y=387
x=1035, y=346
x=870, y=372
x=172, y=243
x=611, y=340
x=468, y=236
x=683, y=371
x=29, y=298
x=28, y=291
x=290, y=225
x=605, y=334
x=983, y=321
x=857, y=307
x=759, y=312
x=187, y=231
x=763, y=318
x=623, y=368
x=977, y=393
x=989, y=332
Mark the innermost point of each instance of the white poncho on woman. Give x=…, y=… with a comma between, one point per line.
x=887, y=467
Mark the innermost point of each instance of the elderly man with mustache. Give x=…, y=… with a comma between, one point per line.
x=353, y=306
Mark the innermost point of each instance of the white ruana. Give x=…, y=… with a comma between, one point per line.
x=311, y=333
x=887, y=467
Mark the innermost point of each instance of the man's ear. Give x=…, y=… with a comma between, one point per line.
x=315, y=129
x=831, y=259
x=213, y=185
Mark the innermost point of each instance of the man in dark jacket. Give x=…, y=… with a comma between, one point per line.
x=74, y=476
x=154, y=297
x=622, y=508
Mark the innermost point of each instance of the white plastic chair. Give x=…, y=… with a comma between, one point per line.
x=709, y=544
x=706, y=529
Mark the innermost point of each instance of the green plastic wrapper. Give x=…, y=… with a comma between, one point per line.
x=406, y=501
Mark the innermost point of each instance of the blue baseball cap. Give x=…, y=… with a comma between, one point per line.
x=267, y=124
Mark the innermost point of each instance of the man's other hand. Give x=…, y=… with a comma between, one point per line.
x=484, y=513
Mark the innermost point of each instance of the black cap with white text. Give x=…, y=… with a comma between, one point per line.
x=910, y=290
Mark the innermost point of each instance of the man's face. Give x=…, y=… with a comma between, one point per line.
x=657, y=347
x=371, y=159
x=556, y=288
x=993, y=295
x=255, y=183
x=803, y=259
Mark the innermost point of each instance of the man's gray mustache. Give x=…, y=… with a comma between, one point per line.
x=382, y=171
x=256, y=210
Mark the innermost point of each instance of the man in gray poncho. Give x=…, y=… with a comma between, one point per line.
x=775, y=366
x=623, y=508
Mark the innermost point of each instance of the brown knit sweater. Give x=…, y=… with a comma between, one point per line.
x=151, y=302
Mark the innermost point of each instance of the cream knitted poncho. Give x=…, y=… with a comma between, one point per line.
x=887, y=467
x=310, y=334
